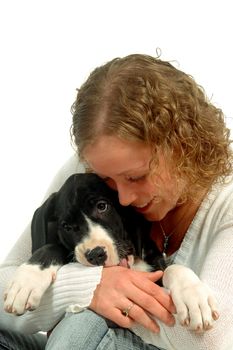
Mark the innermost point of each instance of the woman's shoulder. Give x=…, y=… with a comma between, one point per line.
x=219, y=200
x=71, y=166
x=223, y=188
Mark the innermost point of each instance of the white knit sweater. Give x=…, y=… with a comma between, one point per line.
x=207, y=248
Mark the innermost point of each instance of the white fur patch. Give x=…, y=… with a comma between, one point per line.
x=141, y=265
x=27, y=287
x=194, y=301
x=97, y=237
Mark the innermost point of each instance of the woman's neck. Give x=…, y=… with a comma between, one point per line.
x=169, y=233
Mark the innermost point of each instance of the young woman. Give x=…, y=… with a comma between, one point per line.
x=151, y=133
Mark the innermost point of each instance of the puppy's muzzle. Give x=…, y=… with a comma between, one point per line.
x=96, y=256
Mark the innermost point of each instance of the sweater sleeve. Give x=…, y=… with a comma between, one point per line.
x=217, y=272
x=74, y=284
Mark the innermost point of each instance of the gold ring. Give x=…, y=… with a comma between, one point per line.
x=126, y=311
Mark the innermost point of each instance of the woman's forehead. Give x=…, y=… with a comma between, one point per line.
x=112, y=153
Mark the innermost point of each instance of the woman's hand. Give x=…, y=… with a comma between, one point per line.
x=120, y=288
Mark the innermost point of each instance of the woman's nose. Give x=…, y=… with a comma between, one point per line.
x=126, y=197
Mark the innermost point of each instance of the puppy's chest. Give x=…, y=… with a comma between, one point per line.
x=152, y=255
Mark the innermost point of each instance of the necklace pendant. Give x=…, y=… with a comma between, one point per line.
x=165, y=244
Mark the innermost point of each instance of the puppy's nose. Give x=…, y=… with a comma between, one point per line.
x=96, y=256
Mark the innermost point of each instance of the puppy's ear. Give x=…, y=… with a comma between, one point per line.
x=40, y=229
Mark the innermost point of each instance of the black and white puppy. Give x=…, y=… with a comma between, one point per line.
x=84, y=222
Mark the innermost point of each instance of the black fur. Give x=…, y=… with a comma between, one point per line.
x=61, y=223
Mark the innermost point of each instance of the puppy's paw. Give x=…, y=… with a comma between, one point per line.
x=196, y=306
x=27, y=287
x=194, y=301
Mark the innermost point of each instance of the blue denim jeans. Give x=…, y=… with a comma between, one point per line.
x=89, y=331
x=83, y=331
x=15, y=341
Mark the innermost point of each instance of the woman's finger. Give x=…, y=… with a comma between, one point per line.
x=120, y=287
x=136, y=314
x=149, y=288
x=160, y=294
x=151, y=305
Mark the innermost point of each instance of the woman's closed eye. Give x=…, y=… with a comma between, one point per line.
x=128, y=178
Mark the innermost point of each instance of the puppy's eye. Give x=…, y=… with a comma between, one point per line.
x=102, y=206
x=66, y=226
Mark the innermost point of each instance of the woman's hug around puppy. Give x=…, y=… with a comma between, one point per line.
x=84, y=222
x=157, y=194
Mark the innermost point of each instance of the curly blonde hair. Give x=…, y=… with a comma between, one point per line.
x=143, y=98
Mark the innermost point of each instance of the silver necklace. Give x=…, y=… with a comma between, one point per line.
x=166, y=240
x=167, y=237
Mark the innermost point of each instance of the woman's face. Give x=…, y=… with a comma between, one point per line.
x=125, y=166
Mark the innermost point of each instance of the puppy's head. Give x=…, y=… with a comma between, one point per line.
x=91, y=223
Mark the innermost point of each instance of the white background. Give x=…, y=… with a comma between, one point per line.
x=47, y=49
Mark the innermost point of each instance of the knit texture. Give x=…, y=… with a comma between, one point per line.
x=206, y=249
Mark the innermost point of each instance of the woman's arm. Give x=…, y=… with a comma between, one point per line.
x=74, y=285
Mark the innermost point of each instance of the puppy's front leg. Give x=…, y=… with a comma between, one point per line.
x=194, y=301
x=27, y=287
x=32, y=279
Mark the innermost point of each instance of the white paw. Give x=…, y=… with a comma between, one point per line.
x=27, y=287
x=194, y=301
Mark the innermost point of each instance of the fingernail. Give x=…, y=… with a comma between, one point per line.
x=171, y=322
x=215, y=315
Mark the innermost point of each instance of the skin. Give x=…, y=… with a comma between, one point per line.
x=124, y=165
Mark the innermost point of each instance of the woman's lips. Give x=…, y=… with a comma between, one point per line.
x=144, y=208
